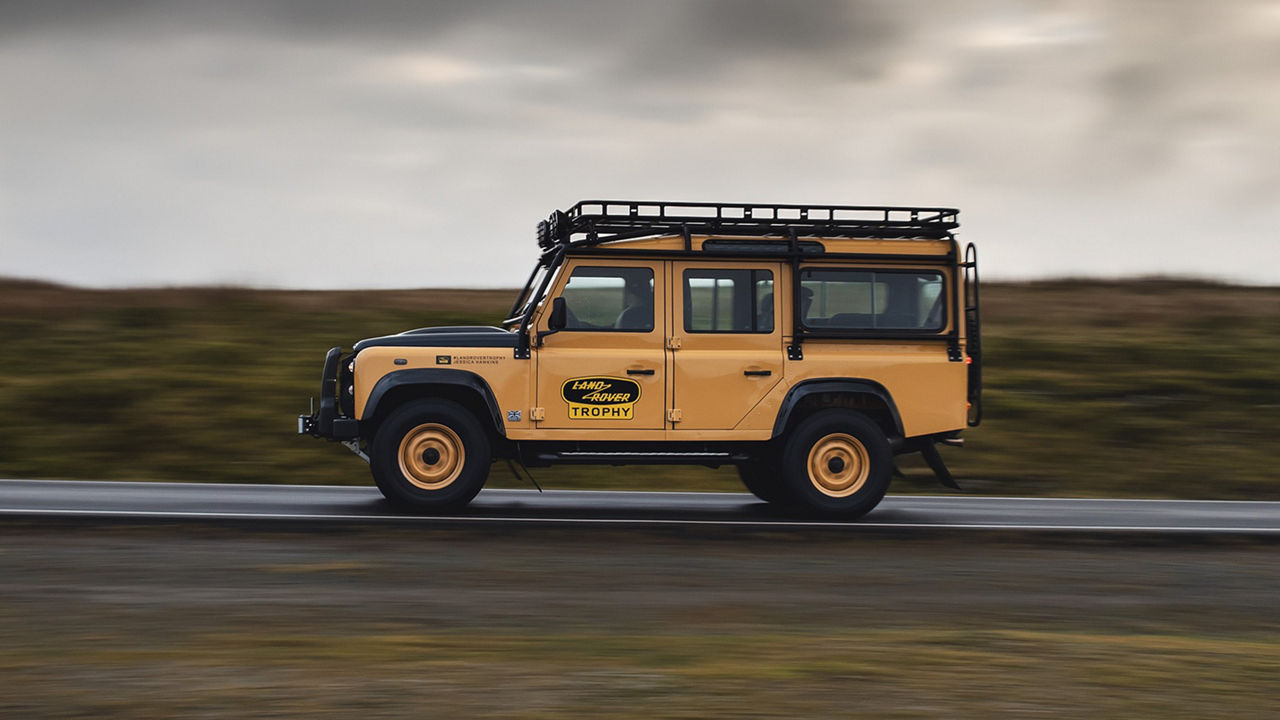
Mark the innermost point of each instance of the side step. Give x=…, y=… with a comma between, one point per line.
x=710, y=459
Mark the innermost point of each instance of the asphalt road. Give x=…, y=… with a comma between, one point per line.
x=139, y=501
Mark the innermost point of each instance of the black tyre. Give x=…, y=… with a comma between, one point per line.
x=836, y=463
x=762, y=477
x=430, y=454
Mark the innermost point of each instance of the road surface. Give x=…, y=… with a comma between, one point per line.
x=139, y=501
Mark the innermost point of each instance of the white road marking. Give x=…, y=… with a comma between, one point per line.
x=368, y=490
x=628, y=521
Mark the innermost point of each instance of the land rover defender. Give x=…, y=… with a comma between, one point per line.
x=807, y=345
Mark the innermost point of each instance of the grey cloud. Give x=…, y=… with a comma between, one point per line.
x=148, y=142
x=694, y=37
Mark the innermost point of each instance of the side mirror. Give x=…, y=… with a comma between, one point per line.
x=559, y=315
x=556, y=321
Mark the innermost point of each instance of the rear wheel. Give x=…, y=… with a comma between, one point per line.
x=430, y=454
x=837, y=462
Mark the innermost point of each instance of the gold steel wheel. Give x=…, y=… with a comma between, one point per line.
x=431, y=456
x=839, y=465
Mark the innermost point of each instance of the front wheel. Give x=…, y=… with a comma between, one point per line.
x=430, y=454
x=837, y=462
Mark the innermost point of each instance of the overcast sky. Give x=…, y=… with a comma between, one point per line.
x=416, y=144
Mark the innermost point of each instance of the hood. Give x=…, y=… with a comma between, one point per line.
x=454, y=336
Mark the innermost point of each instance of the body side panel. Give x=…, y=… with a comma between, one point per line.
x=506, y=377
x=927, y=388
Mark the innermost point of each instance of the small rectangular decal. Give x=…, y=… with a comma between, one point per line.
x=444, y=360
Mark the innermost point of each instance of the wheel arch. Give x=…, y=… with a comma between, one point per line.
x=867, y=396
x=461, y=386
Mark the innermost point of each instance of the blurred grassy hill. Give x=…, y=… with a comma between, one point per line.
x=1155, y=388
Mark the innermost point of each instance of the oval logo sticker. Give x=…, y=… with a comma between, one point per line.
x=600, y=397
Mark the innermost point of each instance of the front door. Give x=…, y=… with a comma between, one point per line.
x=730, y=352
x=606, y=370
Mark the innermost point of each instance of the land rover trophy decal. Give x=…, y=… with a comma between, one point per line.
x=600, y=398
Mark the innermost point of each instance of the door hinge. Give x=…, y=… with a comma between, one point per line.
x=673, y=343
x=537, y=413
x=675, y=415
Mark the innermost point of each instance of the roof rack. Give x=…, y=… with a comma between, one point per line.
x=592, y=222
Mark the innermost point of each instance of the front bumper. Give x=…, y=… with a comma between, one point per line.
x=328, y=422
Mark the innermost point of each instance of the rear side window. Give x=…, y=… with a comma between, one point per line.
x=848, y=299
x=728, y=301
x=609, y=298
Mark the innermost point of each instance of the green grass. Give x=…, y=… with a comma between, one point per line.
x=1130, y=388
x=878, y=673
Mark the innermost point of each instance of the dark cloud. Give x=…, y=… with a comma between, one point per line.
x=382, y=18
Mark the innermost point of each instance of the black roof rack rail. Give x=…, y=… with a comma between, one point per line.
x=591, y=222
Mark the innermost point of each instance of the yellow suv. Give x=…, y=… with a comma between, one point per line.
x=805, y=344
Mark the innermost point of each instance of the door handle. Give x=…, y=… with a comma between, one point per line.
x=757, y=373
x=648, y=371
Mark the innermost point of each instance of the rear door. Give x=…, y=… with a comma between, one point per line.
x=730, y=343
x=607, y=370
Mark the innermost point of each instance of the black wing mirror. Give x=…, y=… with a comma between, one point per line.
x=556, y=321
x=559, y=314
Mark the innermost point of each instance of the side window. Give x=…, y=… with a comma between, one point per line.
x=873, y=299
x=609, y=298
x=728, y=301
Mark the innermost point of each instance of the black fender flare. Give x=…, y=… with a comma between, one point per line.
x=434, y=376
x=855, y=386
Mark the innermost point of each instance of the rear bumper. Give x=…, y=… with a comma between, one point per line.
x=328, y=422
